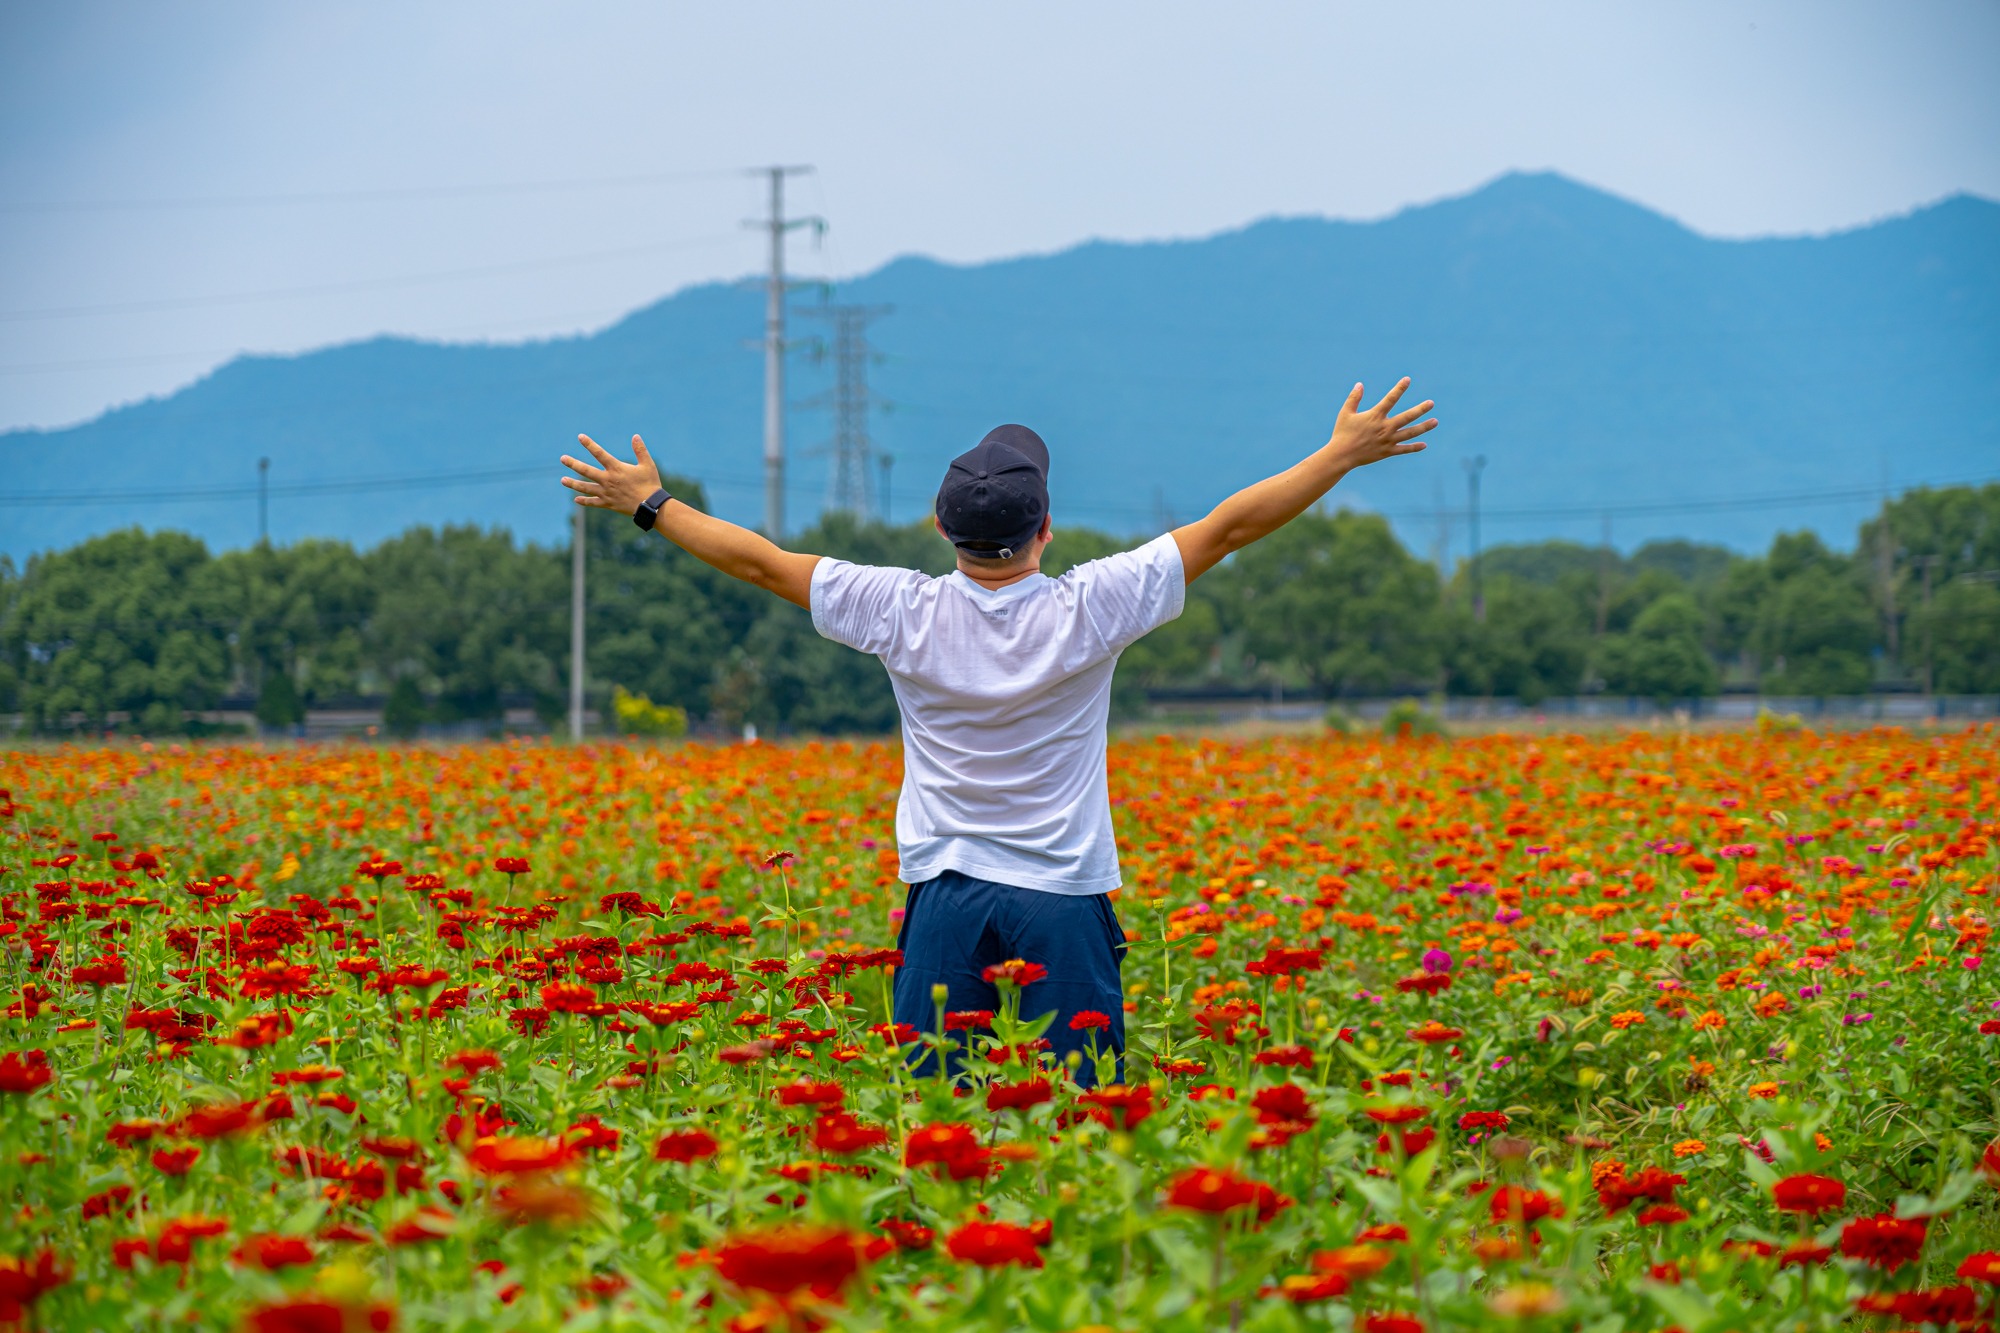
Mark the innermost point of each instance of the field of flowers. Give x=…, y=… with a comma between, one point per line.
x=1599, y=1033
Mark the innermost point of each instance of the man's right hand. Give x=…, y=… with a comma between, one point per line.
x=735, y=551
x=617, y=485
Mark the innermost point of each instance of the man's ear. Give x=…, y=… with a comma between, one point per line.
x=1048, y=532
x=939, y=528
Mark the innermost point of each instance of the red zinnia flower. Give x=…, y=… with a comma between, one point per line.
x=994, y=1245
x=940, y=1143
x=1392, y=1323
x=511, y=865
x=1808, y=1194
x=786, y=1259
x=1616, y=1191
x=1472, y=1120
x=1279, y=961
x=1803, y=1252
x=24, y=1072
x=1016, y=971
x=1207, y=1189
x=274, y=1251
x=1088, y=1019
x=1884, y=1241
x=1433, y=1032
x=1939, y=1306
x=1413, y=1141
x=1284, y=1102
x=1019, y=1096
x=567, y=997
x=1513, y=1203
x=811, y=1094
x=519, y=1156
x=842, y=1135
x=176, y=1243
x=1428, y=984
x=423, y=1225
x=128, y=1132
x=470, y=1063
x=1400, y=1114
x=1129, y=1105
x=1286, y=1057
x=1981, y=1267
x=104, y=1204
x=25, y=1281
x=1663, y=1214
x=213, y=1122
x=174, y=1161
x=908, y=1235
x=317, y=1316
x=684, y=1146
x=968, y=1020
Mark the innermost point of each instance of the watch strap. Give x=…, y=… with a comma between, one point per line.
x=648, y=513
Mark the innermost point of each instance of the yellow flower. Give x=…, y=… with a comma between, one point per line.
x=1526, y=1301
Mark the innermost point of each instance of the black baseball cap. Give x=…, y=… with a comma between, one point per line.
x=996, y=494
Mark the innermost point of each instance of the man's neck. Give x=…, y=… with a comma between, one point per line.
x=998, y=579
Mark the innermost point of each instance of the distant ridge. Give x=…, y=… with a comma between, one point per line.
x=1597, y=353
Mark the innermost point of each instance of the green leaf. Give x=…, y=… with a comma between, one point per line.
x=1758, y=1170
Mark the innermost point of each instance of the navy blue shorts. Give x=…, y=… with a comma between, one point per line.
x=955, y=926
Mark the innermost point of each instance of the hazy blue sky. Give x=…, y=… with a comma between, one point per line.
x=955, y=130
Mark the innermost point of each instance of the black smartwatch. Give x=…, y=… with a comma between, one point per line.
x=648, y=513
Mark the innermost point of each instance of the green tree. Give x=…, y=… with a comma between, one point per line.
x=659, y=620
x=467, y=615
x=1935, y=545
x=1661, y=656
x=1961, y=630
x=1532, y=644
x=278, y=703
x=404, y=712
x=111, y=625
x=1815, y=629
x=1338, y=596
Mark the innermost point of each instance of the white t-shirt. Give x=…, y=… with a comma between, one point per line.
x=1005, y=695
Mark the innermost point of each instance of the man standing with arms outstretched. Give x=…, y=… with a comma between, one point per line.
x=1003, y=676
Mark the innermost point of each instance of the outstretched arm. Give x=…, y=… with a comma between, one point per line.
x=735, y=551
x=1359, y=438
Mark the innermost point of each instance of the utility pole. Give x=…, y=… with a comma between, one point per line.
x=885, y=462
x=774, y=347
x=1441, y=549
x=1930, y=562
x=1604, y=577
x=1473, y=467
x=263, y=500
x=576, y=625
x=1885, y=571
x=847, y=481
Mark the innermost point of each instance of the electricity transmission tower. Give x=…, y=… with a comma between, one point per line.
x=848, y=484
x=774, y=345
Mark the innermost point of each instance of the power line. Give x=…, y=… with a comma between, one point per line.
x=726, y=481
x=359, y=285
x=364, y=196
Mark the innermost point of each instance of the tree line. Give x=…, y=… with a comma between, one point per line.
x=453, y=624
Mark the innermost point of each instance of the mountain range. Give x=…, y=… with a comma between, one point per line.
x=1615, y=370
